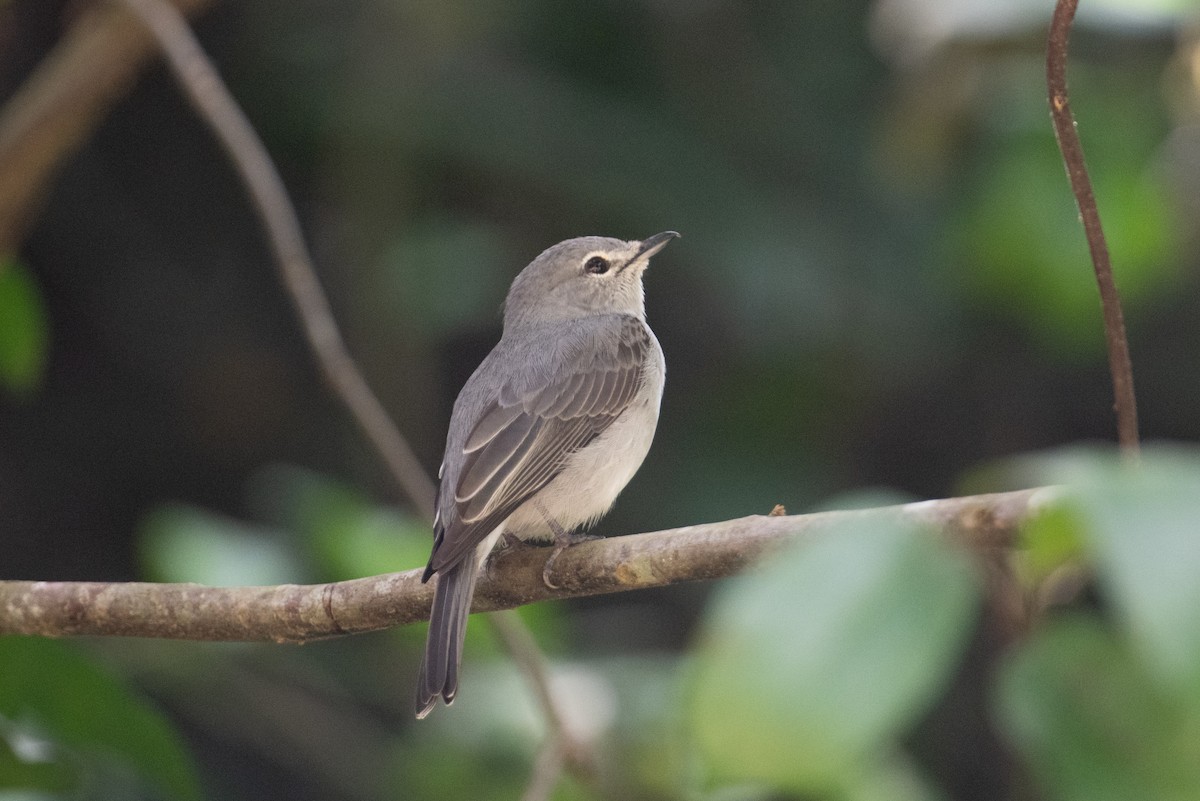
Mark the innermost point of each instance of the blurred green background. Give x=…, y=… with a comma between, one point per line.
x=882, y=284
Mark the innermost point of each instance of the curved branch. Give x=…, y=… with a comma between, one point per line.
x=298, y=613
x=563, y=748
x=61, y=102
x=1119, y=363
x=212, y=100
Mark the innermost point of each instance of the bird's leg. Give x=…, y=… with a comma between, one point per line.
x=507, y=541
x=562, y=540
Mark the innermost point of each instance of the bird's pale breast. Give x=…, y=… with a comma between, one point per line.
x=595, y=475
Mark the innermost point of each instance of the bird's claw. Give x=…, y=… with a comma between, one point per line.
x=560, y=545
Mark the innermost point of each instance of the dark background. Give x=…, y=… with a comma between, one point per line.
x=882, y=282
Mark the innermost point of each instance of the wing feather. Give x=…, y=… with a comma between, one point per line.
x=495, y=420
x=554, y=399
x=524, y=437
x=572, y=405
x=497, y=457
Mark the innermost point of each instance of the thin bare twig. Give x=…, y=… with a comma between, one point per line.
x=562, y=749
x=217, y=106
x=1119, y=363
x=207, y=92
x=517, y=640
x=547, y=770
x=295, y=613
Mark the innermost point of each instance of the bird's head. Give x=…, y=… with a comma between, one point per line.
x=582, y=277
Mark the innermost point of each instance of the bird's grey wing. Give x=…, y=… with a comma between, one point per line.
x=523, y=438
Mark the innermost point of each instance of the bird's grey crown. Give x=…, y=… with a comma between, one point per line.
x=555, y=285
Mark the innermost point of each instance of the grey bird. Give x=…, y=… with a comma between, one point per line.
x=548, y=430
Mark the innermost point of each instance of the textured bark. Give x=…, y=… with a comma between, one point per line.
x=297, y=613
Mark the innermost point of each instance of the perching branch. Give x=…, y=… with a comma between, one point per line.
x=1119, y=363
x=299, y=613
x=212, y=100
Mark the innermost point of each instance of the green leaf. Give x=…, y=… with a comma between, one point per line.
x=811, y=666
x=1140, y=524
x=1019, y=246
x=348, y=536
x=1091, y=724
x=61, y=716
x=28, y=761
x=24, y=330
x=184, y=544
x=888, y=777
x=1052, y=539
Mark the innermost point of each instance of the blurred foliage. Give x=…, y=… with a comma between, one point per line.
x=809, y=700
x=1083, y=711
x=807, y=678
x=346, y=534
x=183, y=544
x=882, y=283
x=1107, y=706
x=24, y=330
x=1135, y=523
x=69, y=729
x=1018, y=244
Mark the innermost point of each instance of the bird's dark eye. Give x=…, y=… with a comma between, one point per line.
x=596, y=265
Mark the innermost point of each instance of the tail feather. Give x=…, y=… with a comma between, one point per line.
x=447, y=628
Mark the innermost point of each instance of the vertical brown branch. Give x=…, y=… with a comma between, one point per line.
x=1119, y=363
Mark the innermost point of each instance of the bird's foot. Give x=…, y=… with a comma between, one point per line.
x=508, y=542
x=562, y=541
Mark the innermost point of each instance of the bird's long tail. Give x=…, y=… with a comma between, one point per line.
x=447, y=628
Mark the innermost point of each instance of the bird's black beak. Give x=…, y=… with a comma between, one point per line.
x=653, y=244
